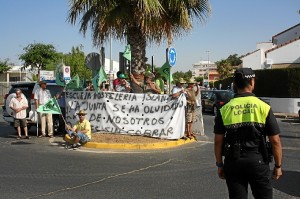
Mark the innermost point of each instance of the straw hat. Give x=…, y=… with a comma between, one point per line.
x=192, y=81
x=42, y=82
x=181, y=81
x=81, y=112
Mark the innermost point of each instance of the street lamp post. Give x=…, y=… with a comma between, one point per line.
x=207, y=66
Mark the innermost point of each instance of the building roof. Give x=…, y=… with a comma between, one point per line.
x=285, y=31
x=281, y=45
x=249, y=53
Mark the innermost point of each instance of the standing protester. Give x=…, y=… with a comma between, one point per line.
x=178, y=89
x=42, y=96
x=123, y=85
x=137, y=79
x=61, y=100
x=117, y=81
x=241, y=126
x=150, y=86
x=81, y=131
x=19, y=104
x=191, y=107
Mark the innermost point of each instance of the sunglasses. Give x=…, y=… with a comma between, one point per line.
x=81, y=115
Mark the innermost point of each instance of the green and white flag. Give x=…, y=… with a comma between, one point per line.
x=59, y=76
x=165, y=72
x=74, y=83
x=51, y=106
x=127, y=53
x=99, y=78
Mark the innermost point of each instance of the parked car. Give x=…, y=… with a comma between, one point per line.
x=213, y=100
x=28, y=89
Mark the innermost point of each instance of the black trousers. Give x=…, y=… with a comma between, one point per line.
x=248, y=169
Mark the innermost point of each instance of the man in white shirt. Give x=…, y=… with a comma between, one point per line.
x=19, y=105
x=178, y=89
x=42, y=96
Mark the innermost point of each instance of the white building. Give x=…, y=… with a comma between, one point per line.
x=282, y=52
x=204, y=69
x=16, y=74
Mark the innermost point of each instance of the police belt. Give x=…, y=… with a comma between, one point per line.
x=249, y=149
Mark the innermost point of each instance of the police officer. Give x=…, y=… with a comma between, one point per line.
x=241, y=127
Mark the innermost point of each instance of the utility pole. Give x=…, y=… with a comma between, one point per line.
x=207, y=66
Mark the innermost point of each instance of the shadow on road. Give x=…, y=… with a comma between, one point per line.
x=289, y=183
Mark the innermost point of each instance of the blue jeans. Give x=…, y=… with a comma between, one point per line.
x=83, y=138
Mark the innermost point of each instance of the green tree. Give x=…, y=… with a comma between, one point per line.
x=76, y=60
x=137, y=21
x=224, y=68
x=234, y=60
x=4, y=66
x=38, y=55
x=179, y=74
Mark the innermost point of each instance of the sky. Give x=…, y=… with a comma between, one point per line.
x=234, y=27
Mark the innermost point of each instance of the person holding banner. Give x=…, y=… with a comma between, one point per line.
x=178, y=89
x=136, y=82
x=42, y=96
x=81, y=131
x=150, y=86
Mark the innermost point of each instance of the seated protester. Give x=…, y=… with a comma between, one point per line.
x=117, y=80
x=150, y=86
x=123, y=85
x=178, y=89
x=81, y=131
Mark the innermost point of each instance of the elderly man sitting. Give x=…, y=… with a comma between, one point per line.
x=81, y=131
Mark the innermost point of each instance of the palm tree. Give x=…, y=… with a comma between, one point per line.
x=137, y=21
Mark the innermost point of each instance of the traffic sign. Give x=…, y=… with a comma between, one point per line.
x=172, y=56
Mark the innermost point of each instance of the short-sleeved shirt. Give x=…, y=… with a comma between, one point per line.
x=84, y=125
x=42, y=96
x=249, y=134
x=15, y=103
x=176, y=89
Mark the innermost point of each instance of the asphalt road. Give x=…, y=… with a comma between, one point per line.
x=39, y=169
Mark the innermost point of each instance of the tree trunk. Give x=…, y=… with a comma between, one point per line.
x=137, y=40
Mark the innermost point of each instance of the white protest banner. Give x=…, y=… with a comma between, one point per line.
x=129, y=113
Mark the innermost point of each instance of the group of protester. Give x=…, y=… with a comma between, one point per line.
x=239, y=138
x=79, y=133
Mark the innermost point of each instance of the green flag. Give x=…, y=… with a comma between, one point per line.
x=99, y=78
x=51, y=106
x=59, y=76
x=165, y=72
x=74, y=83
x=127, y=53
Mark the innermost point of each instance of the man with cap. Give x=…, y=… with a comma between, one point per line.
x=42, y=96
x=178, y=89
x=241, y=128
x=123, y=85
x=81, y=131
x=191, y=107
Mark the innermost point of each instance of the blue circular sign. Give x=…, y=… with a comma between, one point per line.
x=172, y=56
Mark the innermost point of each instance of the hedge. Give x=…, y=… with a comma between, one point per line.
x=279, y=83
